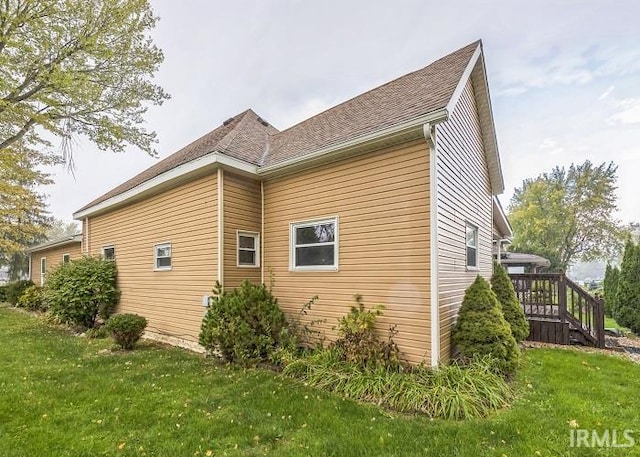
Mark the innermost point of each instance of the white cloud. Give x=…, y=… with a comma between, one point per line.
x=629, y=112
x=551, y=147
x=606, y=93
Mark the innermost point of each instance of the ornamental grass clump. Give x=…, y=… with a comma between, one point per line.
x=481, y=329
x=503, y=288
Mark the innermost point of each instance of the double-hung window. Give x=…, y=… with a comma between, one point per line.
x=162, y=256
x=66, y=258
x=248, y=249
x=472, y=247
x=314, y=245
x=43, y=269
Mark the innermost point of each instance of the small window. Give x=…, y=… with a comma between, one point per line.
x=109, y=252
x=66, y=258
x=248, y=249
x=162, y=255
x=472, y=247
x=314, y=245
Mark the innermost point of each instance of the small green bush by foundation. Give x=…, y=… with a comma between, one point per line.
x=245, y=325
x=126, y=329
x=511, y=309
x=15, y=289
x=448, y=392
x=32, y=299
x=358, y=342
x=481, y=329
x=81, y=290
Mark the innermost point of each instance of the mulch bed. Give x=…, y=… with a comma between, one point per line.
x=627, y=347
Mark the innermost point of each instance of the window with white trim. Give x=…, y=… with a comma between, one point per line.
x=43, y=269
x=162, y=256
x=109, y=252
x=66, y=258
x=248, y=249
x=472, y=247
x=314, y=245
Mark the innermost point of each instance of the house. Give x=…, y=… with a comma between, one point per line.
x=389, y=194
x=46, y=256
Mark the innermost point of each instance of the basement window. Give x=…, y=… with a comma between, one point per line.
x=472, y=247
x=248, y=249
x=162, y=256
x=314, y=245
x=109, y=252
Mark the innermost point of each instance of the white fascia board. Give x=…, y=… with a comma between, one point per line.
x=328, y=152
x=211, y=159
x=466, y=74
x=43, y=247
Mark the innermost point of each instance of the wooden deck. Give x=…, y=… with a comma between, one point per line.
x=559, y=310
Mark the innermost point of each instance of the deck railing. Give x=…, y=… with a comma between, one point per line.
x=554, y=297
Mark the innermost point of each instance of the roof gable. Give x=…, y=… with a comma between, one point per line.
x=253, y=142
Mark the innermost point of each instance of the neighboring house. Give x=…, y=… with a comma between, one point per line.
x=46, y=256
x=388, y=195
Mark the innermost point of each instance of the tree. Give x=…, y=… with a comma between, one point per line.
x=511, y=309
x=23, y=215
x=481, y=329
x=77, y=67
x=61, y=229
x=627, y=302
x=611, y=277
x=567, y=215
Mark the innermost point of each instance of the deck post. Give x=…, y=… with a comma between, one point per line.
x=599, y=322
x=562, y=297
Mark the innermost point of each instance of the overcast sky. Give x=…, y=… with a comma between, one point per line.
x=564, y=77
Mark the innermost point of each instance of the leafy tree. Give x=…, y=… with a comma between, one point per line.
x=23, y=215
x=481, y=329
x=627, y=301
x=511, y=309
x=61, y=229
x=567, y=215
x=77, y=67
x=611, y=277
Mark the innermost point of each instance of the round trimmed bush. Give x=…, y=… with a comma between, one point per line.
x=511, y=309
x=126, y=329
x=481, y=329
x=245, y=325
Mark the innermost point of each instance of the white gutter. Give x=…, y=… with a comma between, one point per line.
x=436, y=116
x=211, y=159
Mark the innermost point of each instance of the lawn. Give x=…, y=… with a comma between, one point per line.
x=610, y=322
x=61, y=396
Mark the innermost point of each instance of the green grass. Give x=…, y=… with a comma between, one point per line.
x=59, y=396
x=610, y=322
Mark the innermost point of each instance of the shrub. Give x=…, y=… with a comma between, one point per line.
x=32, y=299
x=503, y=288
x=15, y=289
x=3, y=293
x=126, y=329
x=627, y=303
x=358, y=342
x=481, y=329
x=245, y=325
x=611, y=277
x=448, y=392
x=81, y=290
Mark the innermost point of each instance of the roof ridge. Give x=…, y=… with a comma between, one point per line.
x=388, y=83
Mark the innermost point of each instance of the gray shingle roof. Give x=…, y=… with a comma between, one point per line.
x=249, y=138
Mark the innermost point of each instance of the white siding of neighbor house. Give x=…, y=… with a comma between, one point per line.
x=464, y=196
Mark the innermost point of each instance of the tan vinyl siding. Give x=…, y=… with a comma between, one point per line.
x=186, y=216
x=242, y=212
x=54, y=258
x=464, y=195
x=381, y=200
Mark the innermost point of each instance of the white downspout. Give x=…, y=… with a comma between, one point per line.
x=221, y=226
x=429, y=131
x=86, y=226
x=262, y=232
